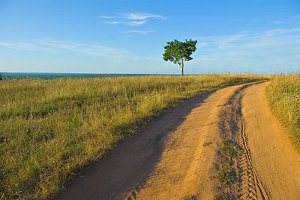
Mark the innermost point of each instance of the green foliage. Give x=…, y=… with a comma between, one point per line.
x=51, y=128
x=179, y=52
x=224, y=196
x=231, y=149
x=227, y=176
x=284, y=99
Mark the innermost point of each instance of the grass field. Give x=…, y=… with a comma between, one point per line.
x=284, y=97
x=49, y=129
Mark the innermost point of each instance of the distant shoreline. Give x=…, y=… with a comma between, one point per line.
x=50, y=75
x=19, y=75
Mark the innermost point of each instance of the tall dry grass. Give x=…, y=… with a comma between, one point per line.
x=284, y=97
x=51, y=128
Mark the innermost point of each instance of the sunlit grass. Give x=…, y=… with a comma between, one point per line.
x=284, y=98
x=51, y=128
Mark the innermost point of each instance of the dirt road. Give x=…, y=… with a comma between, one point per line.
x=274, y=157
x=177, y=154
x=187, y=163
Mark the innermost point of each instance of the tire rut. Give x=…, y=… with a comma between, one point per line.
x=250, y=186
x=232, y=127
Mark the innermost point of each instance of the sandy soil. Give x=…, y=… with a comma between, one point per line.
x=274, y=157
x=187, y=163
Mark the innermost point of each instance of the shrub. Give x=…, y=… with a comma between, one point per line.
x=232, y=149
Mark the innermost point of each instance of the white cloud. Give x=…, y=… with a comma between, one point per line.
x=129, y=23
x=269, y=38
x=143, y=32
x=106, y=17
x=275, y=49
x=142, y=16
x=56, y=46
x=130, y=19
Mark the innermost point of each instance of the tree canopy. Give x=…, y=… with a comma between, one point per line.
x=179, y=52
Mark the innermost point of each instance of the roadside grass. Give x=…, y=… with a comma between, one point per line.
x=284, y=99
x=50, y=129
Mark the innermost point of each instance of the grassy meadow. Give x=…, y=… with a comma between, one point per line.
x=49, y=129
x=284, y=97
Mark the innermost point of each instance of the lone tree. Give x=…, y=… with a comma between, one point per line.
x=178, y=52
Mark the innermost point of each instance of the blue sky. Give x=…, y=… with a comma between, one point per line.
x=127, y=36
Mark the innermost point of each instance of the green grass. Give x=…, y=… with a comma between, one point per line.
x=50, y=129
x=284, y=98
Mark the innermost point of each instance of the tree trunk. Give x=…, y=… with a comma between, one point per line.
x=182, y=66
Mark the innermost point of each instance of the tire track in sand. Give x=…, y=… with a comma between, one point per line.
x=232, y=127
x=272, y=156
x=250, y=185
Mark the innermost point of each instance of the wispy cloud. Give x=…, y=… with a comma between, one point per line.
x=129, y=23
x=131, y=19
x=142, y=16
x=268, y=38
x=142, y=32
x=55, y=46
x=271, y=48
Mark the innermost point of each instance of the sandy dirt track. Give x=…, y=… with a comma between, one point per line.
x=187, y=163
x=274, y=157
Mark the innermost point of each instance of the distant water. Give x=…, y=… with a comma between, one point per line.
x=12, y=75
